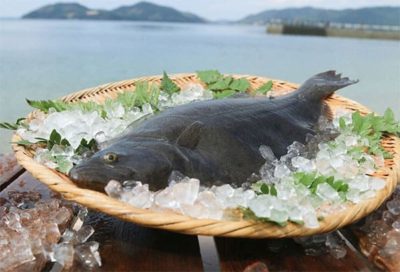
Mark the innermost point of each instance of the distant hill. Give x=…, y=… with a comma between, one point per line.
x=69, y=11
x=372, y=16
x=143, y=11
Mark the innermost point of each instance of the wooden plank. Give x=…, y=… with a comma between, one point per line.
x=128, y=247
x=24, y=183
x=281, y=255
x=8, y=168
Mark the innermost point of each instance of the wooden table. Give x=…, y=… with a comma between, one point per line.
x=129, y=247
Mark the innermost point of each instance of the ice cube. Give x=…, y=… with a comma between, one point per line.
x=84, y=233
x=21, y=253
x=354, y=195
x=186, y=192
x=396, y=225
x=281, y=171
x=267, y=153
x=69, y=236
x=261, y=206
x=351, y=140
x=12, y=220
x=337, y=161
x=325, y=191
x=224, y=191
x=296, y=148
x=79, y=219
x=64, y=254
x=279, y=215
x=88, y=254
x=165, y=198
x=376, y=184
x=360, y=183
x=394, y=206
x=310, y=219
x=295, y=214
x=303, y=164
x=52, y=233
x=62, y=216
x=240, y=198
x=137, y=194
x=114, y=189
x=205, y=206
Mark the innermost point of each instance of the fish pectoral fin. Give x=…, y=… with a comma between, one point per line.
x=190, y=137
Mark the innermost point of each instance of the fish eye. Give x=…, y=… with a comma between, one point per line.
x=110, y=157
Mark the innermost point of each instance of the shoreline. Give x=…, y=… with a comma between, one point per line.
x=332, y=31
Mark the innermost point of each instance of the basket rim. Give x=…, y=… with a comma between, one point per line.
x=210, y=227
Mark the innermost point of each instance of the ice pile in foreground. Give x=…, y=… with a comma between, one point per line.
x=328, y=154
x=32, y=233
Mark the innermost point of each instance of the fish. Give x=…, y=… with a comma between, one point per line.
x=215, y=141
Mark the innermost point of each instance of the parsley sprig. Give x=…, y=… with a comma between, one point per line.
x=372, y=127
x=312, y=180
x=168, y=86
x=223, y=86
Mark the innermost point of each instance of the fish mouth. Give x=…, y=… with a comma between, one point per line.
x=96, y=179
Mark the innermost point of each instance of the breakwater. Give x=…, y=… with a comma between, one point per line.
x=338, y=30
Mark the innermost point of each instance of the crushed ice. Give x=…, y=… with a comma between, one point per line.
x=33, y=230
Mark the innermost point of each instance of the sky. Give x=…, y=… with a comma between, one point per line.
x=209, y=9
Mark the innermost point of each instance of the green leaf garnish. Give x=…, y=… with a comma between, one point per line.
x=46, y=105
x=10, y=126
x=23, y=143
x=209, y=76
x=240, y=85
x=372, y=127
x=222, y=86
x=312, y=180
x=168, y=86
x=265, y=88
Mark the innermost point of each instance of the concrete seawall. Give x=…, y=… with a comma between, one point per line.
x=333, y=31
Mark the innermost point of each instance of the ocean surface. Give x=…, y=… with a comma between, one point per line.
x=46, y=59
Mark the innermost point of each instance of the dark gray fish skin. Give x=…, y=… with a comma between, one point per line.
x=216, y=141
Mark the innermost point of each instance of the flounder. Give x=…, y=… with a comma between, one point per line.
x=216, y=141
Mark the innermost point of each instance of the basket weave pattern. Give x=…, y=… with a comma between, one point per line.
x=184, y=224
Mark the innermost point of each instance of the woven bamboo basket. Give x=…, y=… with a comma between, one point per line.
x=184, y=224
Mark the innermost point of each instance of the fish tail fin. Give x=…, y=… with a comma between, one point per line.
x=323, y=85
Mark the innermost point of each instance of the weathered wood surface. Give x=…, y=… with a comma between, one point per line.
x=282, y=255
x=8, y=169
x=128, y=247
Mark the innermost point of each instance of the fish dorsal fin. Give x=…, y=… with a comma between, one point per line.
x=190, y=137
